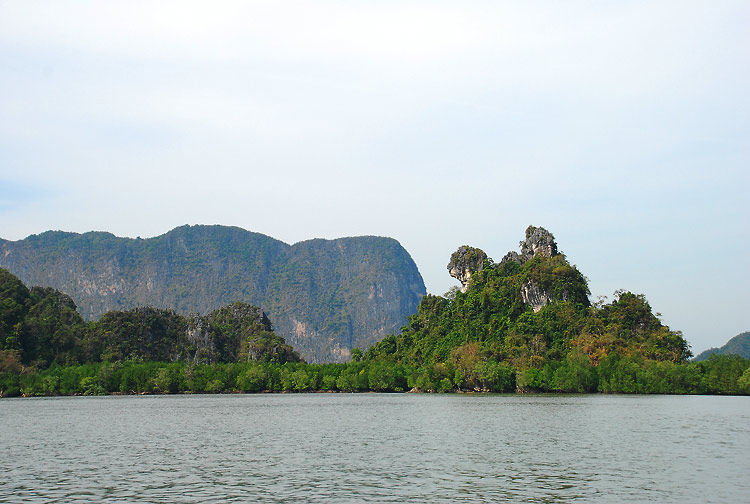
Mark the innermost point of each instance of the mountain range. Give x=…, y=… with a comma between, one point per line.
x=324, y=297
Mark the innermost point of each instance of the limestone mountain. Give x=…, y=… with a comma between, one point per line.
x=323, y=296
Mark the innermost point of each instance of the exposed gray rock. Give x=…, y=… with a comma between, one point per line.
x=198, y=335
x=511, y=256
x=533, y=296
x=538, y=241
x=465, y=262
x=468, y=260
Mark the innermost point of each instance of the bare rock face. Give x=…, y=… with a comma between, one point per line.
x=198, y=335
x=538, y=241
x=512, y=256
x=534, y=296
x=466, y=261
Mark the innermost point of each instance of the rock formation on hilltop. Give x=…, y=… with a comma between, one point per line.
x=538, y=241
x=527, y=324
x=464, y=262
x=323, y=296
x=467, y=261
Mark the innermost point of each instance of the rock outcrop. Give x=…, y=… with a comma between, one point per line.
x=466, y=261
x=512, y=256
x=538, y=241
x=469, y=260
x=535, y=296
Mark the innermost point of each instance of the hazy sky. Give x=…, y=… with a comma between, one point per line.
x=622, y=127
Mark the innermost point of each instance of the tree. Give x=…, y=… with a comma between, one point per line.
x=14, y=301
x=356, y=354
x=53, y=328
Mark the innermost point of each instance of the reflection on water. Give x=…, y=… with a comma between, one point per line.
x=375, y=448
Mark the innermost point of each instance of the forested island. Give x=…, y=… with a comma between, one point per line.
x=523, y=324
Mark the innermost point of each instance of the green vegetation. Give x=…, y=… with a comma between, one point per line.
x=142, y=333
x=326, y=296
x=47, y=348
x=487, y=338
x=39, y=326
x=490, y=338
x=717, y=375
x=739, y=345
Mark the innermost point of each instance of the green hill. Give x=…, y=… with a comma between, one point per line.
x=530, y=316
x=323, y=296
x=739, y=345
x=40, y=327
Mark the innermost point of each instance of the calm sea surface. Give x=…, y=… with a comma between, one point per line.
x=375, y=448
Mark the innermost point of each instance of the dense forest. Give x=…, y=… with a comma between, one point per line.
x=524, y=324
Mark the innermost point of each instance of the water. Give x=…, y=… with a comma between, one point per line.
x=375, y=448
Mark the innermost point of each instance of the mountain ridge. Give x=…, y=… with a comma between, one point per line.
x=739, y=345
x=324, y=296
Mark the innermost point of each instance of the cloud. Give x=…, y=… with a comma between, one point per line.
x=439, y=124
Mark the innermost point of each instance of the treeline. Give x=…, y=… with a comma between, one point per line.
x=725, y=374
x=41, y=328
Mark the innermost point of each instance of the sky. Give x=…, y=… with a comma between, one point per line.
x=621, y=127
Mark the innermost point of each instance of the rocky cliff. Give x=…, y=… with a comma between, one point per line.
x=323, y=296
x=539, y=242
x=466, y=261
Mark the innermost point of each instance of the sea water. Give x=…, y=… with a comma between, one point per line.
x=375, y=448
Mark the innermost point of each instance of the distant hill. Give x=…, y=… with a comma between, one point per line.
x=739, y=345
x=323, y=296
